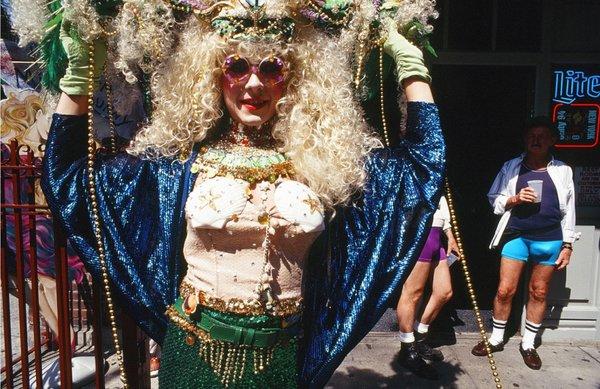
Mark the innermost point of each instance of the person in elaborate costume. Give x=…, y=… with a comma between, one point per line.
x=255, y=148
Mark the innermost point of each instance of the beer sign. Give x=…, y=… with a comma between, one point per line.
x=576, y=106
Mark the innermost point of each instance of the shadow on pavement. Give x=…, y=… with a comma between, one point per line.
x=355, y=378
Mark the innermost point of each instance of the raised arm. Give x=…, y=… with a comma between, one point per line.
x=72, y=104
x=411, y=71
x=75, y=83
x=140, y=201
x=423, y=125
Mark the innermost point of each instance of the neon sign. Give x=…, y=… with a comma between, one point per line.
x=576, y=106
x=571, y=85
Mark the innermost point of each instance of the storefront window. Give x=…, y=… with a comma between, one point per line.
x=489, y=25
x=575, y=26
x=519, y=25
x=470, y=25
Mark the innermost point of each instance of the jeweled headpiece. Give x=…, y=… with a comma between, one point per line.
x=256, y=27
x=241, y=19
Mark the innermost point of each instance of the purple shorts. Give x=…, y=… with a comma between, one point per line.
x=433, y=250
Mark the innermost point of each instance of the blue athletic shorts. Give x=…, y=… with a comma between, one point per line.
x=539, y=251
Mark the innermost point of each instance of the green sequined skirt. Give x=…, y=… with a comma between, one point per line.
x=189, y=362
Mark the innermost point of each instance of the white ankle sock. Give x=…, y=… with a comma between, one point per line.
x=406, y=337
x=421, y=328
x=531, y=330
x=497, y=332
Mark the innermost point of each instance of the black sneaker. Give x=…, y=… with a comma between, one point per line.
x=425, y=350
x=410, y=359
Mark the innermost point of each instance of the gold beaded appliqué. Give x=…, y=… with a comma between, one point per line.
x=251, y=307
x=211, y=167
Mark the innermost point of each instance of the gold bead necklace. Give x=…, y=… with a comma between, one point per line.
x=111, y=118
x=386, y=137
x=96, y=218
x=471, y=290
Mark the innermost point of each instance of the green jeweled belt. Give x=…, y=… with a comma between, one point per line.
x=220, y=331
x=225, y=346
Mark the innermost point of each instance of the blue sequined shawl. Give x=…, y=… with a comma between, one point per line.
x=355, y=267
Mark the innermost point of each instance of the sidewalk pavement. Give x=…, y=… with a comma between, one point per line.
x=565, y=365
x=372, y=365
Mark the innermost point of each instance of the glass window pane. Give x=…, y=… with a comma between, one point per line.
x=575, y=25
x=519, y=25
x=470, y=26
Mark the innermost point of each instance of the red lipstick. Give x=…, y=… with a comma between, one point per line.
x=253, y=104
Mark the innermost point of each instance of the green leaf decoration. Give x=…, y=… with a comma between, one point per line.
x=52, y=52
x=431, y=51
x=415, y=31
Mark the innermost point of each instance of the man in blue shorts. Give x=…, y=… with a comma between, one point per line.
x=534, y=193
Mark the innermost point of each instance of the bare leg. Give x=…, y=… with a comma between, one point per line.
x=412, y=291
x=538, y=290
x=510, y=272
x=441, y=292
x=536, y=306
x=49, y=304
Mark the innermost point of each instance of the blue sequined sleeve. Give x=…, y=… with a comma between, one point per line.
x=372, y=244
x=141, y=213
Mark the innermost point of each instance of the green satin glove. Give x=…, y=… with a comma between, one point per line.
x=76, y=79
x=408, y=57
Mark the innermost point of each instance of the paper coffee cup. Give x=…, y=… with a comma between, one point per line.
x=537, y=186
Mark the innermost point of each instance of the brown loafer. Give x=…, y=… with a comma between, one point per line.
x=531, y=358
x=154, y=366
x=480, y=351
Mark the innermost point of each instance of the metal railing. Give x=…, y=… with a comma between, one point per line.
x=27, y=339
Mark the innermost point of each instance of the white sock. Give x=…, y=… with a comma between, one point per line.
x=531, y=330
x=406, y=337
x=421, y=328
x=497, y=331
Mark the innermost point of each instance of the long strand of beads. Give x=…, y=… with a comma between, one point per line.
x=96, y=217
x=360, y=63
x=386, y=137
x=463, y=262
x=263, y=289
x=111, y=117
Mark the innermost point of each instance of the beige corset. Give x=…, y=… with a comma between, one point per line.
x=226, y=229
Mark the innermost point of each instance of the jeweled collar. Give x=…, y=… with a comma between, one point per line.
x=241, y=135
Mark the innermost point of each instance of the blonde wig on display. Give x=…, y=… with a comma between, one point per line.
x=28, y=19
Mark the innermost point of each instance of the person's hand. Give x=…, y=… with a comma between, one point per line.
x=453, y=247
x=525, y=195
x=76, y=78
x=408, y=57
x=563, y=258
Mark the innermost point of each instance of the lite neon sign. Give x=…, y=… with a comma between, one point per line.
x=571, y=85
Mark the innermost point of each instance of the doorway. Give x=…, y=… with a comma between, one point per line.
x=482, y=109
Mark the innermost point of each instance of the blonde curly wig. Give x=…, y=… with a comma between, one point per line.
x=319, y=124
